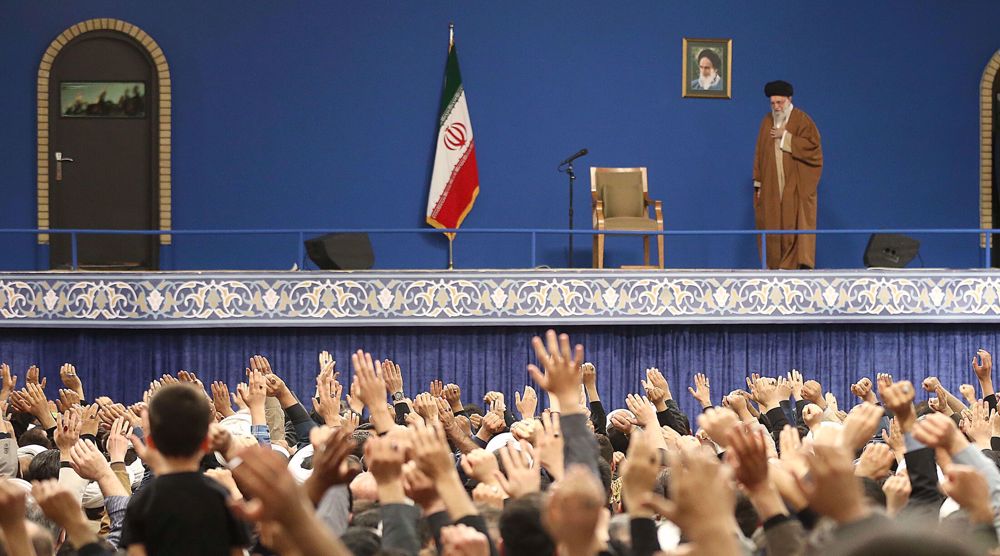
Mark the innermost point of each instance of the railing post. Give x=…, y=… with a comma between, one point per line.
x=302, y=250
x=72, y=248
x=763, y=250
x=533, y=238
x=989, y=239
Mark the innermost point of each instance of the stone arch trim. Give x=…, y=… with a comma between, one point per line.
x=986, y=144
x=163, y=140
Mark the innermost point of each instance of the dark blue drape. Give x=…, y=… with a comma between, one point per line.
x=120, y=363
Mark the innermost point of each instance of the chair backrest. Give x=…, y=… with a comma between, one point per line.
x=623, y=190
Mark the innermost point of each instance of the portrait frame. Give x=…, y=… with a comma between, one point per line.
x=691, y=49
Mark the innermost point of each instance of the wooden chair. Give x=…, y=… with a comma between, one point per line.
x=621, y=201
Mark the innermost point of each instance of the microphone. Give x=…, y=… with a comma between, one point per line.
x=581, y=152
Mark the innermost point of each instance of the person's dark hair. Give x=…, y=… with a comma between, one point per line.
x=179, y=416
x=360, y=437
x=712, y=57
x=369, y=519
x=746, y=515
x=605, y=447
x=34, y=436
x=605, y=471
x=873, y=491
x=361, y=541
x=471, y=408
x=994, y=457
x=521, y=528
x=894, y=540
x=43, y=466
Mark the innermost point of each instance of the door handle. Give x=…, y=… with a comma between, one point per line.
x=60, y=158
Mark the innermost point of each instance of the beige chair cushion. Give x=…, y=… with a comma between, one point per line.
x=622, y=194
x=629, y=223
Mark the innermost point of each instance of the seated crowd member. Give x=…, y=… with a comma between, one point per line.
x=777, y=468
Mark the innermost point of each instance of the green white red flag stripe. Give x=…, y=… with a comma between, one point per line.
x=455, y=179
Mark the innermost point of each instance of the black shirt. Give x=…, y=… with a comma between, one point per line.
x=183, y=513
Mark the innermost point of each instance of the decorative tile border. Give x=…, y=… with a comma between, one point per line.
x=195, y=300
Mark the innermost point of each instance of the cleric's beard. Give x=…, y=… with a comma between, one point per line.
x=707, y=82
x=781, y=116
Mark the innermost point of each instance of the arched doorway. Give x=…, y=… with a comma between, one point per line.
x=989, y=125
x=104, y=145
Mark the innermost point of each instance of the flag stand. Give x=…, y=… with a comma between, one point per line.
x=451, y=252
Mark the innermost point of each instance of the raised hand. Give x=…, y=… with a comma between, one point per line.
x=88, y=462
x=426, y=406
x=33, y=377
x=453, y=394
x=527, y=404
x=969, y=488
x=717, y=422
x=562, y=375
x=67, y=373
x=625, y=422
x=894, y=439
x=480, y=465
x=260, y=364
x=644, y=412
x=220, y=398
x=701, y=501
x=983, y=368
x=883, y=380
x=521, y=477
x=639, y=471
x=462, y=540
x=875, y=462
x=67, y=431
x=897, y=493
x=370, y=383
x=393, y=377
x=67, y=399
x=701, y=390
x=863, y=390
x=748, y=456
x=7, y=382
x=89, y=419
x=117, y=442
x=437, y=388
x=860, y=426
x=62, y=505
x=813, y=392
x=976, y=424
x=38, y=404
x=968, y=392
x=549, y=447
x=931, y=383
x=327, y=400
x=898, y=398
x=385, y=459
x=796, y=382
x=832, y=489
x=431, y=452
x=767, y=393
x=937, y=431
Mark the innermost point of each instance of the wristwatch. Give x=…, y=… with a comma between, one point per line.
x=397, y=397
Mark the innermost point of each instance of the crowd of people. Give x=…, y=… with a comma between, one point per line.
x=380, y=467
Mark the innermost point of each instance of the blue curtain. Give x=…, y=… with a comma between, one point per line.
x=120, y=363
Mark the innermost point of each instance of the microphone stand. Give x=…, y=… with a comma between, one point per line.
x=572, y=178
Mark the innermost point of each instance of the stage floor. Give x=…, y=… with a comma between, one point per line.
x=494, y=297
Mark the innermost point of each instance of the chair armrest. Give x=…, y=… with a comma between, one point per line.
x=658, y=210
x=598, y=215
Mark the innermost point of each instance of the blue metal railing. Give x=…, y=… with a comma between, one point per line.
x=301, y=234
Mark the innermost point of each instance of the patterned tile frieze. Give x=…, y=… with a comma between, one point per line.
x=384, y=298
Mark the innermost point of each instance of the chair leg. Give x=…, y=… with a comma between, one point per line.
x=600, y=250
x=659, y=247
x=645, y=250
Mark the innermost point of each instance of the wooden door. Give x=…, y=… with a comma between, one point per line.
x=102, y=124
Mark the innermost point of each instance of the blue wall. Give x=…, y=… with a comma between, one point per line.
x=322, y=114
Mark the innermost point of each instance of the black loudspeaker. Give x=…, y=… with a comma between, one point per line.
x=341, y=251
x=890, y=250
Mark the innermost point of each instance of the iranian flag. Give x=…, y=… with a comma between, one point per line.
x=455, y=180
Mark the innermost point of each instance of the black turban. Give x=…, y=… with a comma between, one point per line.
x=778, y=88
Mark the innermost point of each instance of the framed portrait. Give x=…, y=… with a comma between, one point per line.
x=708, y=68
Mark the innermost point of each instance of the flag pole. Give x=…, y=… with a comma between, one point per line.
x=451, y=237
x=451, y=252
